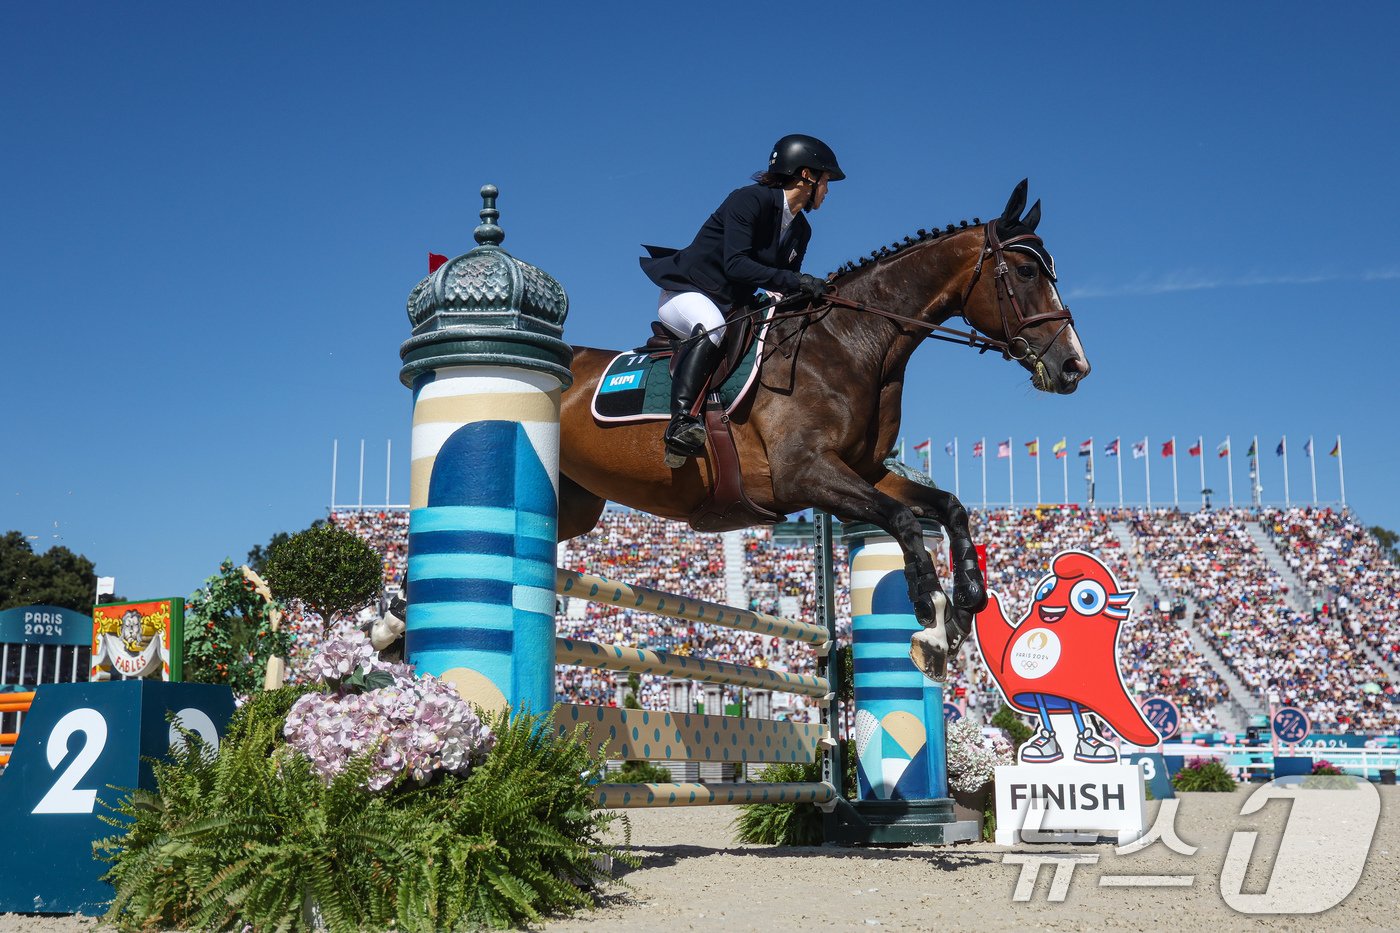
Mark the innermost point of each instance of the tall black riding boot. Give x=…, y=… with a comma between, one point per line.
x=685, y=435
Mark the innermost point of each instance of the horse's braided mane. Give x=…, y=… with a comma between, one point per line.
x=920, y=236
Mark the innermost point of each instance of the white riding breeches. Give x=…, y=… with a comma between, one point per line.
x=681, y=311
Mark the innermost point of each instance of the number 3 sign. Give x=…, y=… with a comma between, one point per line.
x=76, y=740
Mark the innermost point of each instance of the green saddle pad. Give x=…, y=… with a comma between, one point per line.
x=637, y=386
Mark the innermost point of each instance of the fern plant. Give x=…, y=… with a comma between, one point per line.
x=252, y=835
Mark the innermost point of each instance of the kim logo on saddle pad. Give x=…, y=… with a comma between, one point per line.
x=1060, y=660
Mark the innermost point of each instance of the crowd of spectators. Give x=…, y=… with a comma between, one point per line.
x=1205, y=560
x=1280, y=654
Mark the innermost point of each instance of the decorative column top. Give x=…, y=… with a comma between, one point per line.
x=486, y=307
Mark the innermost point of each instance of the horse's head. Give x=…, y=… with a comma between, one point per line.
x=1012, y=298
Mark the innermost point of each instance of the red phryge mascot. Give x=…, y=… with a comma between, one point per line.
x=1062, y=656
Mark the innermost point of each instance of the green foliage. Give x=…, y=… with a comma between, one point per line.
x=1204, y=774
x=846, y=675
x=639, y=772
x=329, y=569
x=228, y=633
x=1389, y=541
x=58, y=577
x=629, y=699
x=252, y=836
x=782, y=824
x=258, y=554
x=1007, y=719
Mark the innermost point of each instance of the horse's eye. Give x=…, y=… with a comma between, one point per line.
x=1026, y=272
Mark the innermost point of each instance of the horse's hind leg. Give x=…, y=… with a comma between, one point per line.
x=829, y=484
x=579, y=509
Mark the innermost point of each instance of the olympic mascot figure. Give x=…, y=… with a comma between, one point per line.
x=1062, y=657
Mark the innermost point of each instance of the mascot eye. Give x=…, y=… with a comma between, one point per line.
x=1046, y=587
x=1087, y=597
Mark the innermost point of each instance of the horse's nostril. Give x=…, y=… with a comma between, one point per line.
x=1076, y=365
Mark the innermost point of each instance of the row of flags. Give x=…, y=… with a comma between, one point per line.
x=1139, y=448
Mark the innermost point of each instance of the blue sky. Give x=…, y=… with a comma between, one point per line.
x=210, y=221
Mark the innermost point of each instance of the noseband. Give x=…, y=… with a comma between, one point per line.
x=1013, y=319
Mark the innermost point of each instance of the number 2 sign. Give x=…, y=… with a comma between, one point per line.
x=76, y=740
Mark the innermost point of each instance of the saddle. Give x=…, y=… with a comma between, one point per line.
x=629, y=391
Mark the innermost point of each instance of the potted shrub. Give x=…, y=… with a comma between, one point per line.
x=971, y=762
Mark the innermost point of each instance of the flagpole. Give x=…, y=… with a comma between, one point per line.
x=1011, y=467
x=1229, y=468
x=1065, y=465
x=1341, y=473
x=388, y=466
x=1257, y=492
x=1287, y=501
x=362, y=475
x=957, y=485
x=1092, y=478
x=1201, y=446
x=984, y=472
x=1176, y=500
x=335, y=457
x=1038, y=498
x=928, y=446
x=1147, y=462
x=1312, y=465
x=1119, y=442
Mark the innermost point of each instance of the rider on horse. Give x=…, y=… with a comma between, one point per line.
x=755, y=239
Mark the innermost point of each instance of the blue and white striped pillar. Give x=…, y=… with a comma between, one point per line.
x=487, y=367
x=900, y=747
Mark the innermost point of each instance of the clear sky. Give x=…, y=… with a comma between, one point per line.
x=211, y=217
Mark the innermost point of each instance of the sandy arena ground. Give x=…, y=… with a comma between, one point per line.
x=694, y=877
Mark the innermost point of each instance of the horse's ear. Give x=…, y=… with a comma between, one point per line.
x=1016, y=203
x=1032, y=219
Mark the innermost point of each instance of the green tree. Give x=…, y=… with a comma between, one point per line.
x=228, y=632
x=1014, y=725
x=329, y=569
x=58, y=577
x=1388, y=540
x=257, y=556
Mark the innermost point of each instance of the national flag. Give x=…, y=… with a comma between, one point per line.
x=1139, y=450
x=1111, y=448
x=1307, y=448
x=1252, y=452
x=1059, y=449
x=1086, y=448
x=1169, y=448
x=434, y=261
x=922, y=451
x=949, y=448
x=976, y=448
x=1033, y=447
x=106, y=586
x=1337, y=450
x=1195, y=449
x=1279, y=450
x=1223, y=449
x=1004, y=449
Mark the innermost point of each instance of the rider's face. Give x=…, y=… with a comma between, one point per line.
x=819, y=193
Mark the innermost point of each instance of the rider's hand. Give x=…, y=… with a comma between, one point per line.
x=811, y=285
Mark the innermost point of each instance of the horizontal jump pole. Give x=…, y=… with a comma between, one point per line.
x=9, y=738
x=621, y=796
x=597, y=589
x=642, y=661
x=656, y=735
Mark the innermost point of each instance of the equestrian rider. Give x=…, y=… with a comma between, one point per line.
x=755, y=239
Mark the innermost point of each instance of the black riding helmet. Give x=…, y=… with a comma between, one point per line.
x=793, y=153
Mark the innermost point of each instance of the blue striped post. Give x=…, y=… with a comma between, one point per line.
x=900, y=746
x=487, y=364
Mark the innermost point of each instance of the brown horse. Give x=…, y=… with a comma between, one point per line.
x=825, y=414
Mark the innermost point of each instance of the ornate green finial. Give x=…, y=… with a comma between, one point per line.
x=488, y=233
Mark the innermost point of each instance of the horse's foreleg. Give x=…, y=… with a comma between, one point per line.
x=831, y=485
x=579, y=509
x=969, y=587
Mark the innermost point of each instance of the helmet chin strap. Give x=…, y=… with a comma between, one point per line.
x=811, y=191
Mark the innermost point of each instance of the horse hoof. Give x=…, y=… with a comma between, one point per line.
x=929, y=655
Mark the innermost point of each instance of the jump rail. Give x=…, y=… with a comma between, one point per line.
x=662, y=736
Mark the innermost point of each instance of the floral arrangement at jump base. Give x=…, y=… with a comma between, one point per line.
x=972, y=762
x=372, y=799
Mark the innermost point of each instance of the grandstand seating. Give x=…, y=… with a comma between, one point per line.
x=1202, y=560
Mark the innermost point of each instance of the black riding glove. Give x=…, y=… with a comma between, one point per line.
x=811, y=285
